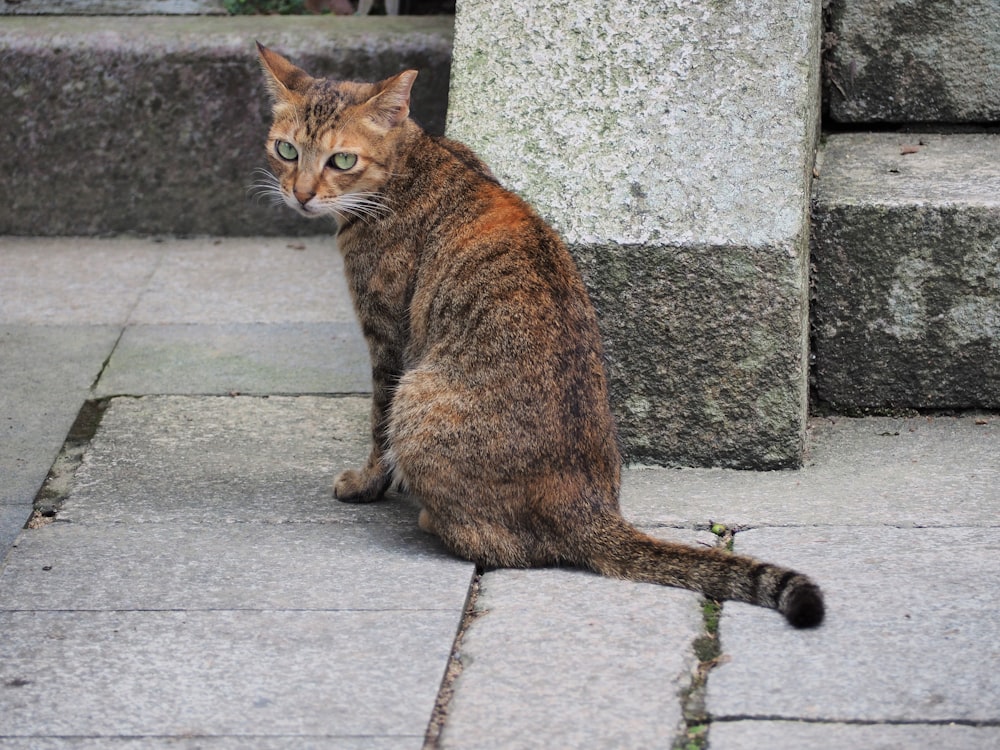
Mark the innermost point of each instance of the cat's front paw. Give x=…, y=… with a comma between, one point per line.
x=353, y=486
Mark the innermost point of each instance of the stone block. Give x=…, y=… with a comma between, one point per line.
x=906, y=257
x=156, y=127
x=676, y=165
x=900, y=61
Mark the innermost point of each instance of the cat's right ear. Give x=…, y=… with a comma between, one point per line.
x=283, y=78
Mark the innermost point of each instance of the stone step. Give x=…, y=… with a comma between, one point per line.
x=155, y=125
x=906, y=258
x=112, y=8
x=901, y=62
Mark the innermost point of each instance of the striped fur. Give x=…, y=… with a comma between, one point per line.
x=490, y=400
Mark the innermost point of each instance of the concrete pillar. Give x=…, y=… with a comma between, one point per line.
x=671, y=143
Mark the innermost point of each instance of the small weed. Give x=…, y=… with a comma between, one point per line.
x=725, y=535
x=706, y=646
x=695, y=737
x=253, y=7
x=708, y=650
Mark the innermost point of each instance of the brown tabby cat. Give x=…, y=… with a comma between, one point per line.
x=490, y=402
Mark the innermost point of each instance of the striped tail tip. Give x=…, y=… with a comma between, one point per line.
x=802, y=605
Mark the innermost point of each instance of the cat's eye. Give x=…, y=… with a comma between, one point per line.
x=286, y=150
x=343, y=161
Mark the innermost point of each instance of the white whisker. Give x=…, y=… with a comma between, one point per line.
x=266, y=186
x=364, y=206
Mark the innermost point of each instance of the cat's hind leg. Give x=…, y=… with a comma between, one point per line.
x=425, y=523
x=490, y=545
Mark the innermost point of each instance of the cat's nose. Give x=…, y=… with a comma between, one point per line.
x=304, y=196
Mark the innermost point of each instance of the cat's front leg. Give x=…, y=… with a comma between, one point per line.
x=365, y=485
x=369, y=483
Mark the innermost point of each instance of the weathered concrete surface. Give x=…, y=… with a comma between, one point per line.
x=157, y=126
x=240, y=674
x=891, y=593
x=199, y=581
x=122, y=481
x=906, y=257
x=671, y=145
x=73, y=281
x=255, y=620
x=912, y=61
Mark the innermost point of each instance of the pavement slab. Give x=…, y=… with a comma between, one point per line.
x=73, y=280
x=12, y=520
x=794, y=735
x=245, y=280
x=147, y=566
x=190, y=673
x=562, y=658
x=237, y=742
x=891, y=594
x=212, y=460
x=238, y=358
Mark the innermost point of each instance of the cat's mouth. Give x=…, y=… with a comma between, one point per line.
x=309, y=209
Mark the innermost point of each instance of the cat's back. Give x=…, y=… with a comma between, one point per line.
x=491, y=260
x=499, y=306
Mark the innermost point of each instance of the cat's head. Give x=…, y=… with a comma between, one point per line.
x=333, y=144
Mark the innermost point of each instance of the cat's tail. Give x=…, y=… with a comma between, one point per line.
x=615, y=548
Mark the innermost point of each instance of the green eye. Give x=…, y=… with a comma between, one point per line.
x=343, y=161
x=286, y=150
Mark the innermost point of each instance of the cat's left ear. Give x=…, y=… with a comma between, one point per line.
x=391, y=105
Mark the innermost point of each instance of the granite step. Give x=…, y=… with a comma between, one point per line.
x=912, y=62
x=906, y=259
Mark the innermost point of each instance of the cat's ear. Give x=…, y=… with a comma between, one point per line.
x=391, y=105
x=283, y=78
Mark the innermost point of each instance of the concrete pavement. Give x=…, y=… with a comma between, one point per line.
x=197, y=586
